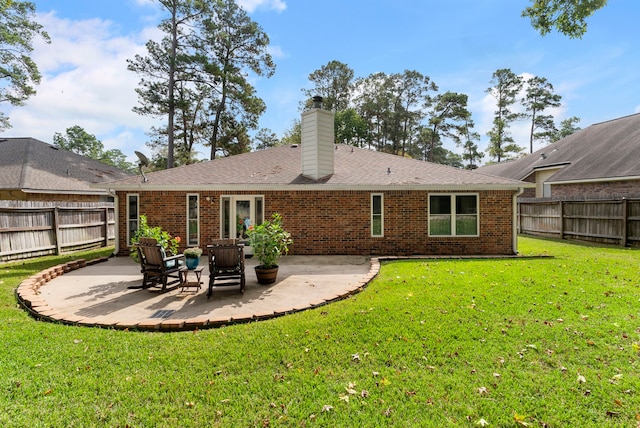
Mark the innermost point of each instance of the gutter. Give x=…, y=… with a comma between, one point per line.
x=317, y=187
x=596, y=180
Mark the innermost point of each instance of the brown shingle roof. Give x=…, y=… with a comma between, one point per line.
x=603, y=150
x=34, y=166
x=280, y=167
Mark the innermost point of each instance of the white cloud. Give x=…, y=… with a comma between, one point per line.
x=276, y=51
x=251, y=5
x=85, y=82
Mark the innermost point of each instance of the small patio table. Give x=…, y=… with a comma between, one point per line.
x=184, y=277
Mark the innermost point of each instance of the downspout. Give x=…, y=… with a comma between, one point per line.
x=515, y=219
x=115, y=217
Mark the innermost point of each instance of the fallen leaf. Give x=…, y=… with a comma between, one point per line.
x=520, y=420
x=482, y=423
x=344, y=398
x=384, y=381
x=483, y=390
x=355, y=357
x=581, y=379
x=327, y=408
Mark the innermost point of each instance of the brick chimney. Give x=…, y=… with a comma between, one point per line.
x=317, y=141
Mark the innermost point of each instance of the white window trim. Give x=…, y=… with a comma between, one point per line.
x=381, y=195
x=129, y=195
x=453, y=214
x=197, y=242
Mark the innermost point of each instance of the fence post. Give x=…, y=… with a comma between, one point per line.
x=625, y=221
x=105, y=213
x=56, y=229
x=561, y=219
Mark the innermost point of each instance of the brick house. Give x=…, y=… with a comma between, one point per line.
x=597, y=162
x=334, y=199
x=32, y=170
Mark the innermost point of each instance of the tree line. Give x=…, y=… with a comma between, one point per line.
x=404, y=114
x=198, y=79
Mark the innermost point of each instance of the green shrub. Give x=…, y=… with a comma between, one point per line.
x=169, y=243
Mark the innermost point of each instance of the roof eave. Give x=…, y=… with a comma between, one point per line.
x=595, y=180
x=317, y=187
x=66, y=192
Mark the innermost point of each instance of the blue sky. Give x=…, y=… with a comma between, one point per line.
x=457, y=43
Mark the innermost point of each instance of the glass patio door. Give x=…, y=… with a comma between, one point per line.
x=239, y=213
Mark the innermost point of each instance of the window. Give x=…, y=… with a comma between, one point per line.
x=238, y=213
x=377, y=217
x=193, y=220
x=453, y=215
x=133, y=216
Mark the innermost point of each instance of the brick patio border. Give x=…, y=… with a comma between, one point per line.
x=28, y=295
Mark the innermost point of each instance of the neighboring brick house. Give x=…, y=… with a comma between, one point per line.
x=333, y=199
x=31, y=170
x=600, y=161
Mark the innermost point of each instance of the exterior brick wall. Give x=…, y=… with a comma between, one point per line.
x=338, y=222
x=606, y=189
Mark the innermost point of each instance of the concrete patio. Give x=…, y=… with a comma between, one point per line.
x=96, y=293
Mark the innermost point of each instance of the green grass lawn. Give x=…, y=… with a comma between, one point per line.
x=540, y=342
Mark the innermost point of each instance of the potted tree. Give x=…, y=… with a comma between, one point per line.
x=269, y=241
x=192, y=257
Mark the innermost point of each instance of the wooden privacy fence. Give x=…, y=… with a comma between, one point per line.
x=32, y=229
x=607, y=221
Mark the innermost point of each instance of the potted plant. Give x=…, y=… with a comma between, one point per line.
x=269, y=241
x=166, y=241
x=192, y=257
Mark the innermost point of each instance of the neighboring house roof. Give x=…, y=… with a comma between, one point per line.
x=603, y=151
x=32, y=166
x=280, y=168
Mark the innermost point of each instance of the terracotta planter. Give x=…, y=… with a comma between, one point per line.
x=266, y=276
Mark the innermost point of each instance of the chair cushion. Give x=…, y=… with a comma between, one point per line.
x=171, y=264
